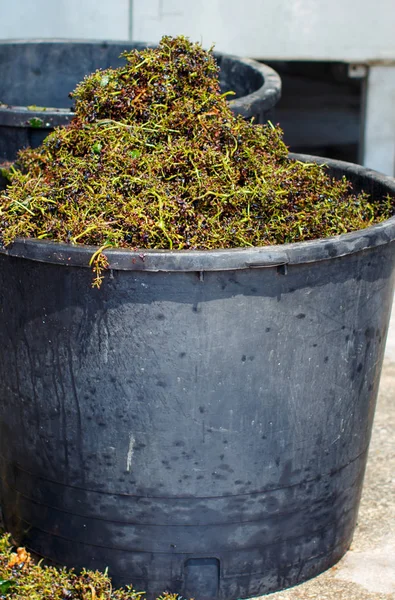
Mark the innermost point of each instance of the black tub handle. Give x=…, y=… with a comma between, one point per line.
x=266, y=264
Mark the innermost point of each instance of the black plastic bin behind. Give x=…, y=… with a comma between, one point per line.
x=201, y=423
x=37, y=76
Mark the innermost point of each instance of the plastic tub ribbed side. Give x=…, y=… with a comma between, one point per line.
x=195, y=428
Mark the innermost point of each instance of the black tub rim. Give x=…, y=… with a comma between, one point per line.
x=265, y=97
x=280, y=255
x=262, y=99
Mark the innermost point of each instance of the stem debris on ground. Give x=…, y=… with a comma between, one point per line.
x=21, y=578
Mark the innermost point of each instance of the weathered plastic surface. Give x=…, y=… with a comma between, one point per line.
x=197, y=428
x=37, y=76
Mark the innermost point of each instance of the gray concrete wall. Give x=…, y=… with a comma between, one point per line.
x=91, y=19
x=350, y=30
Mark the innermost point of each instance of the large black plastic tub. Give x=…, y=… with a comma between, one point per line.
x=37, y=76
x=201, y=423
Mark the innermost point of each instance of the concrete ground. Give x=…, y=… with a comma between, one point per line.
x=367, y=572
